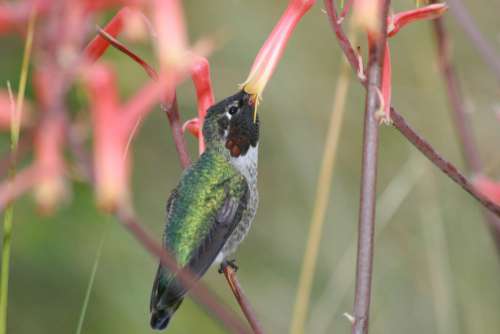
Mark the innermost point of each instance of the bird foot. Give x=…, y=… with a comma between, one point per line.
x=226, y=263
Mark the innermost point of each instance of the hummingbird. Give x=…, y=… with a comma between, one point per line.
x=210, y=211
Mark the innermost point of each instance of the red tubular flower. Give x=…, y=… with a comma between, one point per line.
x=113, y=125
x=99, y=44
x=272, y=50
x=387, y=83
x=111, y=169
x=394, y=24
x=14, y=15
x=400, y=20
x=168, y=19
x=200, y=73
x=48, y=145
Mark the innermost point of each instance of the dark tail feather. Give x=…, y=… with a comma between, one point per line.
x=161, y=317
x=165, y=300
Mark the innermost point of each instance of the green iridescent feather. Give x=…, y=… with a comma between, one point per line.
x=198, y=198
x=192, y=228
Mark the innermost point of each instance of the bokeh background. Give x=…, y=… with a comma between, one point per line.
x=435, y=269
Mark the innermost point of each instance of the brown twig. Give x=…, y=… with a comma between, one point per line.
x=174, y=119
x=349, y=52
x=242, y=299
x=462, y=123
x=345, y=10
x=470, y=28
x=171, y=109
x=366, y=224
x=445, y=166
x=124, y=49
x=434, y=157
x=463, y=127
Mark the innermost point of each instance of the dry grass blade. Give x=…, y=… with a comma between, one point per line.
x=91, y=284
x=321, y=203
x=436, y=251
x=14, y=133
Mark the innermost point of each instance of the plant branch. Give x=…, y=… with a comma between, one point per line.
x=174, y=119
x=462, y=123
x=171, y=109
x=470, y=28
x=432, y=155
x=366, y=225
x=445, y=166
x=242, y=299
x=8, y=219
x=344, y=43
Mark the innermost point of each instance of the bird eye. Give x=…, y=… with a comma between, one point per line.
x=233, y=110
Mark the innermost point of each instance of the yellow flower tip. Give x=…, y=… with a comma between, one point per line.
x=255, y=96
x=366, y=15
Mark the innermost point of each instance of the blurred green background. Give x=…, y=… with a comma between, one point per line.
x=435, y=266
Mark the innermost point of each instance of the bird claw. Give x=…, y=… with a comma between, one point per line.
x=228, y=263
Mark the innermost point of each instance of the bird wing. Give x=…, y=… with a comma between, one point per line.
x=202, y=213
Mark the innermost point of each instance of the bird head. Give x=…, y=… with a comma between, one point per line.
x=233, y=123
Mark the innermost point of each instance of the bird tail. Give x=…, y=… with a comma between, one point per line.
x=165, y=299
x=160, y=317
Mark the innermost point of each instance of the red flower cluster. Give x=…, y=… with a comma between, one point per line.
x=62, y=57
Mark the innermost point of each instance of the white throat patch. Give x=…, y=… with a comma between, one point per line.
x=247, y=164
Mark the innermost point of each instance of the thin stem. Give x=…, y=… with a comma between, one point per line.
x=170, y=108
x=445, y=166
x=96, y=48
x=150, y=71
x=344, y=43
x=327, y=307
x=320, y=203
x=462, y=123
x=369, y=178
x=14, y=133
x=23, y=148
x=345, y=10
x=434, y=157
x=174, y=119
x=91, y=284
x=242, y=299
x=470, y=28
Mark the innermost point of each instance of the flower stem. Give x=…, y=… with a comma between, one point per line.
x=366, y=224
x=14, y=137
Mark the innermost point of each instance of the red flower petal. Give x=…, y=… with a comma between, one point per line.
x=204, y=94
x=398, y=21
x=193, y=126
